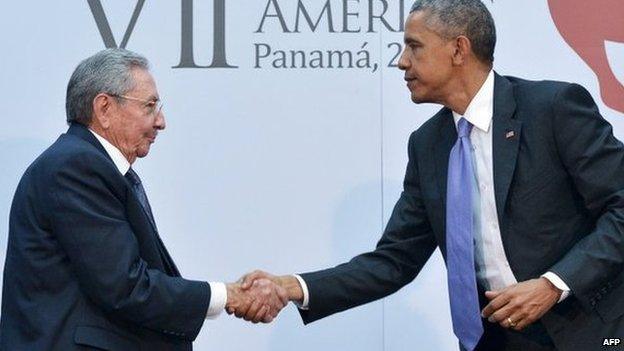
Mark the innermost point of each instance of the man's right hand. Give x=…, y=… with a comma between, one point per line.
x=288, y=282
x=260, y=301
x=288, y=285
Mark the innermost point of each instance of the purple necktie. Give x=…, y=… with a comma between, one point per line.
x=462, y=283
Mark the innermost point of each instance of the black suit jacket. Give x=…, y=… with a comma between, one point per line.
x=85, y=268
x=559, y=189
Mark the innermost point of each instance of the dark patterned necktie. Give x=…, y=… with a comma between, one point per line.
x=135, y=181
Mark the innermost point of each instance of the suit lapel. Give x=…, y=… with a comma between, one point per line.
x=164, y=254
x=505, y=141
x=136, y=211
x=447, y=135
x=143, y=230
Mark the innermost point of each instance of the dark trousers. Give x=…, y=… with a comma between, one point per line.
x=532, y=338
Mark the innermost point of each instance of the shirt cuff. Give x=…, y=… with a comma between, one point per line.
x=559, y=284
x=218, y=299
x=306, y=296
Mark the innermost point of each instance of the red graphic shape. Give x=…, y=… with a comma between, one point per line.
x=585, y=25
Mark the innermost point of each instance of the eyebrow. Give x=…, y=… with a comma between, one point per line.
x=153, y=98
x=408, y=41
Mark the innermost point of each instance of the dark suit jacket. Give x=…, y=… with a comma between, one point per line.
x=85, y=268
x=559, y=189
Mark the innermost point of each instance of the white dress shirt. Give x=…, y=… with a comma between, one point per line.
x=491, y=264
x=218, y=292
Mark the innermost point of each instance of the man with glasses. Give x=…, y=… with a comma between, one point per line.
x=85, y=266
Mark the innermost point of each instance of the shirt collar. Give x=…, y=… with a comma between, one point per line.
x=481, y=109
x=118, y=158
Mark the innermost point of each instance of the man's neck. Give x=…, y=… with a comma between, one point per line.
x=110, y=138
x=465, y=89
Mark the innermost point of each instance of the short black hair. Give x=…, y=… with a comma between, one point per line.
x=452, y=18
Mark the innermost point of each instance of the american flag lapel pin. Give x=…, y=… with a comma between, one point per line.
x=510, y=134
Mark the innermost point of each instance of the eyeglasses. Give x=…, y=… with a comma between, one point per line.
x=154, y=107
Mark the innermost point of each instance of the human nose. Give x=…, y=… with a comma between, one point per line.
x=160, y=120
x=404, y=62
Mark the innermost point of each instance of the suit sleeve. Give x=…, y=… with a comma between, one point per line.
x=594, y=158
x=406, y=245
x=90, y=224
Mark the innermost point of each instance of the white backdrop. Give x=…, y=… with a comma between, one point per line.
x=284, y=169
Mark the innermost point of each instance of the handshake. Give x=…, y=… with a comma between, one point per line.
x=260, y=296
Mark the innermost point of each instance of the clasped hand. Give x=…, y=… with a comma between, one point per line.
x=259, y=296
x=258, y=301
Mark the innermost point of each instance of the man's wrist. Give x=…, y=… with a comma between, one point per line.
x=551, y=285
x=292, y=287
x=232, y=290
x=218, y=299
x=558, y=283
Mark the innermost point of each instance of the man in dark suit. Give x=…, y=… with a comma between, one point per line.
x=85, y=266
x=519, y=183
